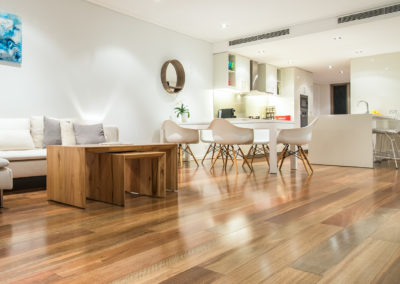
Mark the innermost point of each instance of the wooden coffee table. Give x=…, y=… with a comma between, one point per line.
x=75, y=173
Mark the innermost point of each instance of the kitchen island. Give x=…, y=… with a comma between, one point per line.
x=273, y=126
x=347, y=140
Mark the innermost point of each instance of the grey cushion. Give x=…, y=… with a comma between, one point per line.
x=89, y=134
x=4, y=163
x=52, y=132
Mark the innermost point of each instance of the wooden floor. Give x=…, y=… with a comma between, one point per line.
x=342, y=225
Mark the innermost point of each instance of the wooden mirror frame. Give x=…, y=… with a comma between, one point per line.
x=180, y=75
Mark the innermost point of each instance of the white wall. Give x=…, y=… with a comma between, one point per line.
x=322, y=99
x=81, y=60
x=376, y=79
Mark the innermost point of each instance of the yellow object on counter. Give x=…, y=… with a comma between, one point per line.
x=375, y=112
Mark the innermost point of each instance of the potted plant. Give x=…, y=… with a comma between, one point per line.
x=183, y=112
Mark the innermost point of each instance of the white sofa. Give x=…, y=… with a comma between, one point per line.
x=21, y=143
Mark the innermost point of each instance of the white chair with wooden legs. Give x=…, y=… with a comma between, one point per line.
x=207, y=138
x=173, y=133
x=228, y=136
x=6, y=178
x=297, y=137
x=260, y=145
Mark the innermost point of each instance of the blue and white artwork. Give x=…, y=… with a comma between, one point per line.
x=10, y=38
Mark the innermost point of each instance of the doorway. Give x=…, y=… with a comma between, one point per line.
x=340, y=98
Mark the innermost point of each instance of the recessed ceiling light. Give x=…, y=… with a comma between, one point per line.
x=330, y=66
x=337, y=38
x=224, y=25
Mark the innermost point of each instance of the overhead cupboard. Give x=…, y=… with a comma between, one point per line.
x=231, y=71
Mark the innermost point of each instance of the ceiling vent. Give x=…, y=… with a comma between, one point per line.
x=259, y=37
x=369, y=14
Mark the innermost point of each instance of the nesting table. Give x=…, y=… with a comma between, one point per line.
x=105, y=172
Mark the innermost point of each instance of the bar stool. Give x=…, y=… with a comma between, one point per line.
x=297, y=137
x=173, y=133
x=228, y=136
x=386, y=147
x=260, y=145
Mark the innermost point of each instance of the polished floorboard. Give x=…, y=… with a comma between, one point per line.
x=341, y=225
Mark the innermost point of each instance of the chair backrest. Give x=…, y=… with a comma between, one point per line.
x=173, y=133
x=226, y=133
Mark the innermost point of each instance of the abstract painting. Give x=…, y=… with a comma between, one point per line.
x=10, y=38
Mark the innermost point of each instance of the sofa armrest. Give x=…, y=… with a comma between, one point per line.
x=111, y=133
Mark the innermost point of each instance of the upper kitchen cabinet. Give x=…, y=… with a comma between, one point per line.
x=267, y=78
x=231, y=71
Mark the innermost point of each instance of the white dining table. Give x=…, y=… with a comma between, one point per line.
x=272, y=125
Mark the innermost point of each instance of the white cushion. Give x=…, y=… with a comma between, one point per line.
x=37, y=131
x=24, y=155
x=16, y=140
x=4, y=163
x=15, y=124
x=67, y=133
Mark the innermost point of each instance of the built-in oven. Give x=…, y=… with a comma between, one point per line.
x=303, y=110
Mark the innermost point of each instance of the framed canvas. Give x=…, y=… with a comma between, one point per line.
x=10, y=38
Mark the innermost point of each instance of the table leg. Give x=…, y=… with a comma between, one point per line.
x=273, y=153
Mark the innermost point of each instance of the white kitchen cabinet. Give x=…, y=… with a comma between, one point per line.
x=267, y=78
x=231, y=71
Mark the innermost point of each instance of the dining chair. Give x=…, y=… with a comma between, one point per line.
x=297, y=137
x=228, y=136
x=207, y=138
x=386, y=147
x=260, y=145
x=173, y=133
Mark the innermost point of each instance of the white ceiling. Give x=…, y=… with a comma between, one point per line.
x=315, y=52
x=202, y=19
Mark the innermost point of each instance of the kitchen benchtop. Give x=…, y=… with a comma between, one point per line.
x=240, y=121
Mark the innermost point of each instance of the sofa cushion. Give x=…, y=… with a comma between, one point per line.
x=16, y=140
x=4, y=163
x=52, y=132
x=67, y=133
x=24, y=155
x=89, y=134
x=37, y=130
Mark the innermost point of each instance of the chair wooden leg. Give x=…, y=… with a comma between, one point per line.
x=205, y=155
x=283, y=156
x=254, y=153
x=248, y=154
x=191, y=153
x=265, y=154
x=306, y=157
x=245, y=159
x=226, y=157
x=213, y=153
x=180, y=151
x=303, y=159
x=216, y=158
x=234, y=159
x=280, y=155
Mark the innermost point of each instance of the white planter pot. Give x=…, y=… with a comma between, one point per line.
x=184, y=117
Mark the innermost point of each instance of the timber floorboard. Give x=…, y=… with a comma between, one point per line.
x=340, y=225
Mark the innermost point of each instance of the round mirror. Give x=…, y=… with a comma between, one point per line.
x=173, y=76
